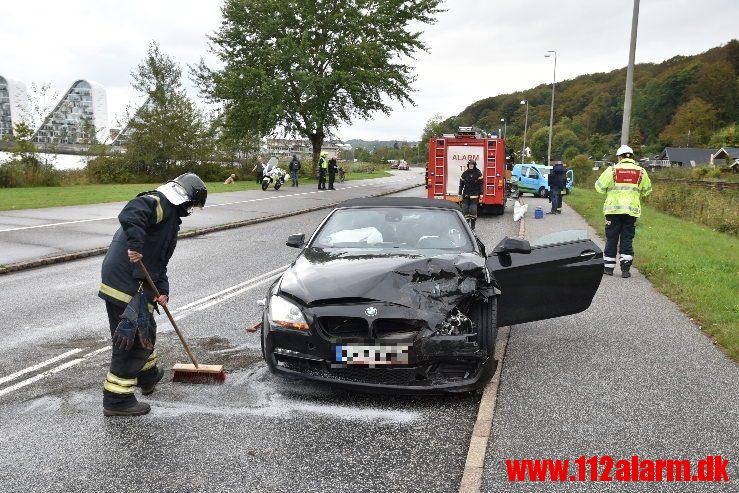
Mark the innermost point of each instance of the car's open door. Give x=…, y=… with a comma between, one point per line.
x=556, y=275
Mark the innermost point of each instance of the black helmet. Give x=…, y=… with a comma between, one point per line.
x=187, y=189
x=472, y=162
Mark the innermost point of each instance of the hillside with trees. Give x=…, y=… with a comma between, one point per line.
x=686, y=101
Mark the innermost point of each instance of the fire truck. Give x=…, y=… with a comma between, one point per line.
x=448, y=157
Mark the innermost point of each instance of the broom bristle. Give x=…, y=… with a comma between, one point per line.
x=202, y=374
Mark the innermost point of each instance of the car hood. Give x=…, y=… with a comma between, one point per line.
x=427, y=283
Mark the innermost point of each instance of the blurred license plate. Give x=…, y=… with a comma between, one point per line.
x=372, y=355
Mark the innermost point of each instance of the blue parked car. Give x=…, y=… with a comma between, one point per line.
x=532, y=178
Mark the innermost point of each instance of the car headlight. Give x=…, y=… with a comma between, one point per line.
x=286, y=314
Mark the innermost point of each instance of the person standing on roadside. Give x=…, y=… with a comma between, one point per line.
x=333, y=168
x=557, y=181
x=258, y=169
x=294, y=168
x=470, y=185
x=322, y=171
x=624, y=185
x=148, y=234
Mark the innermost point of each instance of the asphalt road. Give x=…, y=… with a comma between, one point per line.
x=257, y=432
x=30, y=234
x=631, y=375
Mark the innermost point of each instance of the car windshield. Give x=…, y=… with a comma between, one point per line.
x=394, y=228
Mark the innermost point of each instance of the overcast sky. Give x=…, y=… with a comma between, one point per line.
x=478, y=48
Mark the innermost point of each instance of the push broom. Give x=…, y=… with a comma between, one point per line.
x=181, y=372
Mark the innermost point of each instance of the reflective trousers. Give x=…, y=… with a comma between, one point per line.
x=469, y=207
x=620, y=231
x=128, y=369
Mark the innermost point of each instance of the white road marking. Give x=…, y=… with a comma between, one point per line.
x=188, y=306
x=197, y=305
x=33, y=368
x=64, y=223
x=56, y=369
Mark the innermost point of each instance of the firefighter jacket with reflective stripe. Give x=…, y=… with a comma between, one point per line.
x=624, y=184
x=149, y=225
x=470, y=183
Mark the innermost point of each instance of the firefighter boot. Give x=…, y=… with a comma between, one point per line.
x=149, y=387
x=135, y=409
x=472, y=223
x=608, y=271
x=625, y=268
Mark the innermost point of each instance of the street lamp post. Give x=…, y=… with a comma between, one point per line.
x=525, y=128
x=626, y=123
x=505, y=127
x=551, y=112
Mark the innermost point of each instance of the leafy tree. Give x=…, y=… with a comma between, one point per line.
x=715, y=84
x=169, y=134
x=306, y=66
x=726, y=137
x=539, y=143
x=433, y=127
x=692, y=124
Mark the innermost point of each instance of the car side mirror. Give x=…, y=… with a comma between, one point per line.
x=296, y=241
x=512, y=245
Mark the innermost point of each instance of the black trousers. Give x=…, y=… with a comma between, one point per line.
x=127, y=368
x=620, y=231
x=469, y=207
x=331, y=178
x=322, y=180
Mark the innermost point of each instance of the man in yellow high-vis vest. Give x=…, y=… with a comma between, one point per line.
x=624, y=185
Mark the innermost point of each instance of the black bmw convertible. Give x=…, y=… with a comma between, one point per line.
x=398, y=294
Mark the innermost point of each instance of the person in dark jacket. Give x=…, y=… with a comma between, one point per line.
x=258, y=170
x=333, y=168
x=470, y=185
x=148, y=234
x=557, y=181
x=294, y=168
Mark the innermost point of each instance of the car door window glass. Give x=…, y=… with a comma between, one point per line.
x=561, y=237
x=533, y=173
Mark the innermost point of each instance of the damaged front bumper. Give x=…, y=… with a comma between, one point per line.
x=436, y=363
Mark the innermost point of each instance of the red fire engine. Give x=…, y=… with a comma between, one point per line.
x=448, y=157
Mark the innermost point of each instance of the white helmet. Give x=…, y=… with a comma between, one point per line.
x=624, y=149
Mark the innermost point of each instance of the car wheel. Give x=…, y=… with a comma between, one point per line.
x=543, y=192
x=485, y=317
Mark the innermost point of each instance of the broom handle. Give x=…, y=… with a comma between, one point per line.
x=169, y=315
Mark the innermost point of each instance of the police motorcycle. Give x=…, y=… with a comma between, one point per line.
x=273, y=174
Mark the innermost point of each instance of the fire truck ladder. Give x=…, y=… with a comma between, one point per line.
x=440, y=168
x=490, y=168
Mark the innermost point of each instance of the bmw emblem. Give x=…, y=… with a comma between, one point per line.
x=370, y=311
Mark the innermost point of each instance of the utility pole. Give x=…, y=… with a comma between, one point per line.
x=525, y=128
x=551, y=112
x=626, y=124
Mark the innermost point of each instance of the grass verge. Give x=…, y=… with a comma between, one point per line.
x=40, y=197
x=696, y=267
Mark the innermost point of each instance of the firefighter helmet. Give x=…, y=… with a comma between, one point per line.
x=624, y=149
x=187, y=189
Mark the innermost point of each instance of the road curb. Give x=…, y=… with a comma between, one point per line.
x=68, y=257
x=475, y=463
